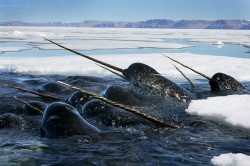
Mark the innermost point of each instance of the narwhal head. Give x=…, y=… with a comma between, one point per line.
x=221, y=81
x=135, y=69
x=140, y=78
x=138, y=70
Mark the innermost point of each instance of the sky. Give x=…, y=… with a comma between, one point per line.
x=121, y=10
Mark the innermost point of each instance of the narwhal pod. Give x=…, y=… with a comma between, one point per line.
x=61, y=119
x=10, y=120
x=121, y=95
x=144, y=80
x=109, y=115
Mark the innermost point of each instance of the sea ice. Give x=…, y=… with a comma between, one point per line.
x=232, y=109
x=154, y=37
x=111, y=44
x=69, y=63
x=231, y=159
x=102, y=38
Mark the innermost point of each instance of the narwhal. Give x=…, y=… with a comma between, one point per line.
x=87, y=96
x=219, y=81
x=144, y=80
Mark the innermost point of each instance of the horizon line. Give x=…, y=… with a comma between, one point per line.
x=129, y=21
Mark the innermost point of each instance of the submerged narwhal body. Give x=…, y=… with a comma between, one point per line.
x=144, y=80
x=219, y=81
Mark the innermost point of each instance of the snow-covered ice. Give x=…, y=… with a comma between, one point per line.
x=112, y=44
x=129, y=38
x=231, y=159
x=102, y=38
x=89, y=39
x=73, y=64
x=232, y=109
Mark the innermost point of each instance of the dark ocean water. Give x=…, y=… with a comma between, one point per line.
x=195, y=143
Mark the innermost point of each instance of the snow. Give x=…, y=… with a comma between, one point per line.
x=154, y=37
x=115, y=44
x=230, y=159
x=232, y=109
x=14, y=33
x=89, y=38
x=102, y=38
x=73, y=64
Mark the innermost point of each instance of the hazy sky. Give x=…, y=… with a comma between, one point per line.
x=121, y=10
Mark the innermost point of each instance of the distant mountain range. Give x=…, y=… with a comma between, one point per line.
x=155, y=23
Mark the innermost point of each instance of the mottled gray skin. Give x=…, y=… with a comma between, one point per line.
x=78, y=99
x=145, y=80
x=121, y=95
x=10, y=120
x=111, y=116
x=53, y=87
x=61, y=119
x=221, y=81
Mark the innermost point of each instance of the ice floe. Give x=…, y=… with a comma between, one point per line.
x=69, y=63
x=231, y=159
x=112, y=44
x=30, y=34
x=232, y=109
x=102, y=38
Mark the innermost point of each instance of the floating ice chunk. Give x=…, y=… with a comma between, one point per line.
x=230, y=159
x=232, y=109
x=219, y=42
x=219, y=46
